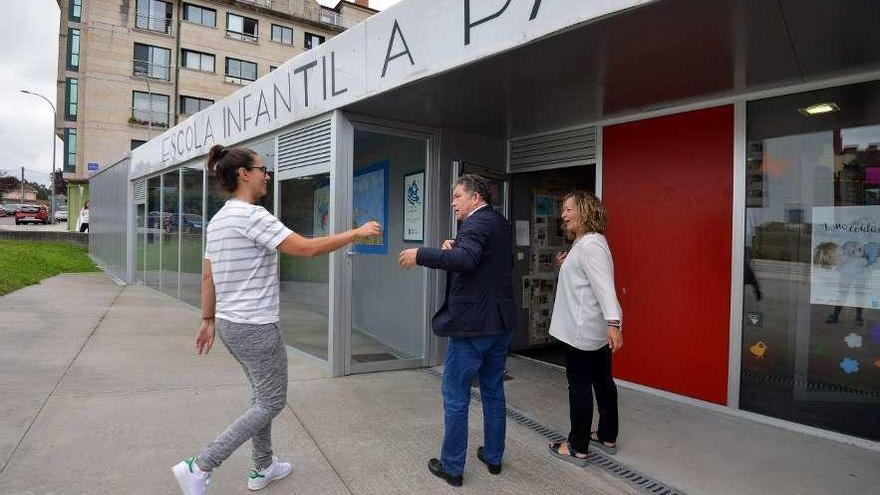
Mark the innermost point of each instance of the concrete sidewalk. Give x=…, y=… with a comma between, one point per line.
x=102, y=393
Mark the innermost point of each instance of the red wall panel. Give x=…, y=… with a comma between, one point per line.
x=667, y=185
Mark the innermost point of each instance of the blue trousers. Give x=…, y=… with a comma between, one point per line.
x=466, y=357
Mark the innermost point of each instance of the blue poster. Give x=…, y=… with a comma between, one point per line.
x=370, y=191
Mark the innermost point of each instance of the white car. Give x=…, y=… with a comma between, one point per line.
x=61, y=215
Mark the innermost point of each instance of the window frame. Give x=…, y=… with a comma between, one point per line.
x=151, y=96
x=150, y=62
x=71, y=82
x=140, y=142
x=243, y=36
x=70, y=165
x=307, y=40
x=185, y=53
x=167, y=19
x=73, y=33
x=202, y=11
x=181, y=108
x=74, y=6
x=282, y=31
x=239, y=79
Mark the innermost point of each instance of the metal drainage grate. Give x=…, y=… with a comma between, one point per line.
x=622, y=471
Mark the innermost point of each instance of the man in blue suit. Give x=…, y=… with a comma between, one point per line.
x=478, y=317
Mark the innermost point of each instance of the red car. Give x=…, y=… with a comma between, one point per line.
x=32, y=214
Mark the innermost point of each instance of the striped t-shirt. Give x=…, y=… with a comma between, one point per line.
x=241, y=246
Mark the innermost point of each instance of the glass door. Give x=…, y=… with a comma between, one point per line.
x=387, y=309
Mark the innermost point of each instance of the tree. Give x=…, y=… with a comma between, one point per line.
x=60, y=183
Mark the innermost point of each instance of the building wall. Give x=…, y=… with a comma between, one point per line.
x=667, y=186
x=108, y=220
x=106, y=79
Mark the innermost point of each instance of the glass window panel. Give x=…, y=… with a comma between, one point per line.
x=170, y=232
x=811, y=294
x=153, y=233
x=75, y=10
x=207, y=63
x=305, y=282
x=70, y=150
x=191, y=228
x=249, y=71
x=235, y=23
x=141, y=253
x=209, y=18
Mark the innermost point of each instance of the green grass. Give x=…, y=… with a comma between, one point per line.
x=24, y=263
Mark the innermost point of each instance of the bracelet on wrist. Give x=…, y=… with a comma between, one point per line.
x=207, y=317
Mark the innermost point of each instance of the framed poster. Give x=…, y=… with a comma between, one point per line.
x=370, y=191
x=414, y=207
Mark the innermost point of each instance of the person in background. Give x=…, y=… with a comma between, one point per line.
x=82, y=224
x=587, y=318
x=240, y=296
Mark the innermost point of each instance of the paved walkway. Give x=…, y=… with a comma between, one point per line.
x=101, y=393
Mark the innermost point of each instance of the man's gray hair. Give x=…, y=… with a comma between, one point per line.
x=474, y=183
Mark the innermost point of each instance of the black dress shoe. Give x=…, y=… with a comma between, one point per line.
x=436, y=468
x=493, y=468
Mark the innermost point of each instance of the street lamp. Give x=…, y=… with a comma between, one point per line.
x=54, y=114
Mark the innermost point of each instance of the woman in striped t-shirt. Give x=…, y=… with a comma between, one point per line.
x=240, y=296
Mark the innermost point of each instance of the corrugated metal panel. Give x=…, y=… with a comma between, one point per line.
x=108, y=219
x=309, y=145
x=563, y=149
x=140, y=191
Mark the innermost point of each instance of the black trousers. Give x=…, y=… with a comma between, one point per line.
x=588, y=371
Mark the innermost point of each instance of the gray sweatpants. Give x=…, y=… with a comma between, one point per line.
x=260, y=351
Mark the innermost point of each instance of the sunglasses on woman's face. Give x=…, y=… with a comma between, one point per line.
x=263, y=169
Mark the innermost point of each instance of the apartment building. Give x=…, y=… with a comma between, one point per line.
x=129, y=69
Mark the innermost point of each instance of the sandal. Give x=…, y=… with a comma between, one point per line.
x=603, y=446
x=571, y=456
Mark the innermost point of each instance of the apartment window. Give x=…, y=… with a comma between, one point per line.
x=329, y=17
x=272, y=68
x=73, y=49
x=149, y=109
x=241, y=28
x=191, y=105
x=71, y=99
x=282, y=34
x=152, y=61
x=153, y=15
x=70, y=150
x=239, y=71
x=198, y=61
x=200, y=15
x=74, y=10
x=313, y=40
x=137, y=143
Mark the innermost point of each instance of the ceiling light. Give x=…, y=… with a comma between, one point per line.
x=819, y=108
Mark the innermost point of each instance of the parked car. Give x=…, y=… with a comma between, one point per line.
x=2, y=211
x=32, y=214
x=61, y=215
x=11, y=208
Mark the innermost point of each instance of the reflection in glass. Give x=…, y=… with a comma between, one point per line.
x=811, y=323
x=305, y=282
x=153, y=231
x=191, y=237
x=387, y=303
x=170, y=227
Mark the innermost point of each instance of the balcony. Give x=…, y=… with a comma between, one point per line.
x=146, y=69
x=149, y=23
x=149, y=118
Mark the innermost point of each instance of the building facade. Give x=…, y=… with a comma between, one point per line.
x=130, y=69
x=735, y=145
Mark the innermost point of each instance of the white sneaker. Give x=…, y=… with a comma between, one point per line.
x=277, y=470
x=191, y=479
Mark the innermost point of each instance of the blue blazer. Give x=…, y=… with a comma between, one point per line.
x=479, y=280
